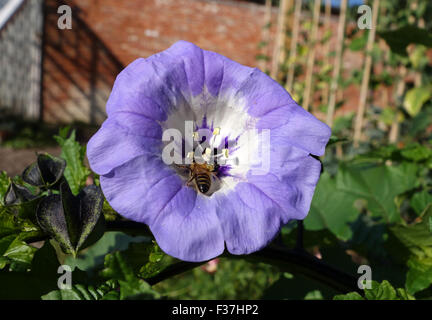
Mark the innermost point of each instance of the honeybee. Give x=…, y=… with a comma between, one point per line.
x=202, y=175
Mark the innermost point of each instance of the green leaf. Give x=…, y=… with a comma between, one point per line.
x=76, y=172
x=420, y=201
x=338, y=201
x=70, y=220
x=20, y=252
x=358, y=43
x=81, y=292
x=378, y=291
x=399, y=39
x=131, y=287
x=137, y=289
x=383, y=291
x=31, y=285
x=144, y=258
x=430, y=224
x=378, y=186
x=417, y=239
x=416, y=152
x=93, y=257
x=331, y=208
x=314, y=295
x=116, y=267
x=418, y=57
x=4, y=185
x=419, y=275
x=349, y=296
x=415, y=98
x=11, y=224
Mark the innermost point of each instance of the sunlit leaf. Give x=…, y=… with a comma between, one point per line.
x=76, y=172
x=415, y=98
x=378, y=291
x=331, y=208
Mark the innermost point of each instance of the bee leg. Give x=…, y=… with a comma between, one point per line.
x=180, y=166
x=190, y=180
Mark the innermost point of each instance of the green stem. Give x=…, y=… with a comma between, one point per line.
x=173, y=270
x=297, y=261
x=301, y=262
x=129, y=227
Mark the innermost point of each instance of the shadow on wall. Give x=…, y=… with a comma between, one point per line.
x=78, y=72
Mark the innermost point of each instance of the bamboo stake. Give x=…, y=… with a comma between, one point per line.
x=288, y=26
x=266, y=34
x=327, y=27
x=400, y=89
x=293, y=47
x=338, y=63
x=280, y=37
x=311, y=55
x=420, y=24
x=366, y=76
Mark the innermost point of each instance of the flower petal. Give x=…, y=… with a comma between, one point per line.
x=122, y=138
x=290, y=183
x=184, y=224
x=150, y=87
x=128, y=187
x=182, y=83
x=253, y=213
x=188, y=227
x=249, y=218
x=294, y=126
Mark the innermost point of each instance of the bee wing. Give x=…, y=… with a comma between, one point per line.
x=219, y=181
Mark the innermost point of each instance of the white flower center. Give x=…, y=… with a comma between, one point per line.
x=230, y=136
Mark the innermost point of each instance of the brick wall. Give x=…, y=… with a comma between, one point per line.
x=81, y=64
x=138, y=28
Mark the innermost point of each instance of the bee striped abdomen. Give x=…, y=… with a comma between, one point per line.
x=203, y=182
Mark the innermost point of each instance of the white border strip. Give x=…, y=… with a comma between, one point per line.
x=8, y=11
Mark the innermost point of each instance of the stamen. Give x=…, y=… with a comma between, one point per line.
x=225, y=152
x=208, y=152
x=196, y=136
x=216, y=131
x=190, y=155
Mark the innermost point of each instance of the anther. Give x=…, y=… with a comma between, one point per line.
x=216, y=131
x=225, y=152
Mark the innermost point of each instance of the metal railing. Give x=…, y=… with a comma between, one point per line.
x=21, y=28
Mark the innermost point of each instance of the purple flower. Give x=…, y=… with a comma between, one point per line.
x=245, y=208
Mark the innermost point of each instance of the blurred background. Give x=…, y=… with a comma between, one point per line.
x=371, y=86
